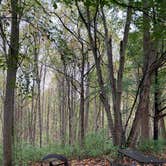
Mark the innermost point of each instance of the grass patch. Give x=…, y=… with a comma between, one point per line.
x=151, y=146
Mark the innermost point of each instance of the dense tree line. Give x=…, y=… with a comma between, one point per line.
x=72, y=67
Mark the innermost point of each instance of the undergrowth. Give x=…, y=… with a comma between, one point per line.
x=95, y=144
x=153, y=146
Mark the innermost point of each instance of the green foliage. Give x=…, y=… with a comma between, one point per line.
x=153, y=146
x=95, y=144
x=2, y=62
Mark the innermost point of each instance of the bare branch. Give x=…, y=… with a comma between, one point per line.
x=162, y=109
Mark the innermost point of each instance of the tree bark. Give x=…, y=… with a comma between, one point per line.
x=156, y=108
x=12, y=61
x=82, y=97
x=163, y=128
x=93, y=44
x=38, y=82
x=87, y=93
x=116, y=87
x=62, y=106
x=48, y=121
x=142, y=112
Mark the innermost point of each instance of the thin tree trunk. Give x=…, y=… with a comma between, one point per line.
x=35, y=120
x=32, y=119
x=93, y=44
x=43, y=103
x=95, y=115
x=62, y=110
x=87, y=93
x=70, y=107
x=48, y=121
x=116, y=87
x=103, y=124
x=82, y=98
x=156, y=109
x=39, y=115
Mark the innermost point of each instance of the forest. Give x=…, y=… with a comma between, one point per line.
x=81, y=78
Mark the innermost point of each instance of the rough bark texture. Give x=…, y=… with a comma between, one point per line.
x=12, y=61
x=142, y=112
x=147, y=81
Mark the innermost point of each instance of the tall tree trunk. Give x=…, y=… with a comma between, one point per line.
x=87, y=93
x=62, y=110
x=93, y=44
x=74, y=108
x=116, y=87
x=38, y=81
x=82, y=98
x=95, y=114
x=33, y=114
x=48, y=121
x=156, y=108
x=70, y=100
x=102, y=111
x=39, y=112
x=43, y=103
x=142, y=112
x=71, y=110
x=12, y=61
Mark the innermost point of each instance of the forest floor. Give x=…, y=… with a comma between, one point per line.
x=83, y=162
x=96, y=162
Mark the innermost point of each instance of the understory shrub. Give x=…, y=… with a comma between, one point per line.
x=153, y=146
x=95, y=144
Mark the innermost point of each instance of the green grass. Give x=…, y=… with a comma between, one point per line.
x=152, y=146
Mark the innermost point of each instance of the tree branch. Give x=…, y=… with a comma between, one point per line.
x=162, y=116
x=162, y=109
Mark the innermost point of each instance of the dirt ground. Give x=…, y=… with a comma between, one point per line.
x=95, y=162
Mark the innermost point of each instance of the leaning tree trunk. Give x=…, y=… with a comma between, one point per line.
x=12, y=61
x=93, y=44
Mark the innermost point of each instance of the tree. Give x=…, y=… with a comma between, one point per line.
x=150, y=65
x=116, y=86
x=12, y=64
